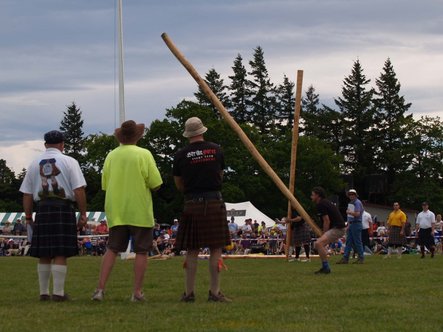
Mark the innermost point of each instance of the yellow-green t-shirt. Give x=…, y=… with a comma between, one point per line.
x=397, y=218
x=129, y=175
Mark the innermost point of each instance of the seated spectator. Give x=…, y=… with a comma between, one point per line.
x=157, y=231
x=255, y=226
x=155, y=250
x=7, y=229
x=19, y=228
x=262, y=230
x=381, y=230
x=87, y=245
x=102, y=228
x=174, y=229
x=438, y=223
x=247, y=228
x=233, y=229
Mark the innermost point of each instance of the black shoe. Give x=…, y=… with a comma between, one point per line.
x=432, y=254
x=422, y=256
x=44, y=297
x=323, y=271
x=60, y=298
x=188, y=298
x=359, y=261
x=343, y=261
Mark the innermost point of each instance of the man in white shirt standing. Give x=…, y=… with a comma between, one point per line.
x=55, y=183
x=425, y=226
x=366, y=226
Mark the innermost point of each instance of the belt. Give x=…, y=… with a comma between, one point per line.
x=355, y=222
x=55, y=203
x=205, y=196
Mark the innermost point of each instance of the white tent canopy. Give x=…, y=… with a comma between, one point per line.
x=246, y=210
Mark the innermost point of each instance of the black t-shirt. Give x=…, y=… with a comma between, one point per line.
x=296, y=224
x=325, y=207
x=200, y=165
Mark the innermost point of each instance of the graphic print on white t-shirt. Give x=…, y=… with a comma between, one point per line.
x=48, y=174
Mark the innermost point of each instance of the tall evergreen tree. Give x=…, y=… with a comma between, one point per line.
x=321, y=121
x=72, y=126
x=261, y=93
x=217, y=86
x=311, y=113
x=391, y=123
x=356, y=110
x=286, y=103
x=238, y=90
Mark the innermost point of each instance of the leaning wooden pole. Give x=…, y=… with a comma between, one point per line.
x=246, y=141
x=292, y=170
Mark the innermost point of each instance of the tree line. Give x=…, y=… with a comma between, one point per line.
x=368, y=140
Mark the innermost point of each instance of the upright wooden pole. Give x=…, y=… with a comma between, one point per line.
x=121, y=64
x=296, y=122
x=237, y=129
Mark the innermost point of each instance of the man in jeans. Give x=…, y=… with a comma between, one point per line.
x=353, y=234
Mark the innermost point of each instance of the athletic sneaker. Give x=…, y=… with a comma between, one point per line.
x=323, y=271
x=358, y=261
x=99, y=295
x=188, y=298
x=307, y=260
x=343, y=261
x=135, y=298
x=220, y=297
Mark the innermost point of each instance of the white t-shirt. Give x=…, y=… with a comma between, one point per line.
x=247, y=228
x=53, y=175
x=425, y=219
x=366, y=219
x=381, y=231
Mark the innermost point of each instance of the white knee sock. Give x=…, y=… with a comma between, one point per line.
x=44, y=273
x=58, y=278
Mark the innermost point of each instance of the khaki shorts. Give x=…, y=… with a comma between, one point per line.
x=119, y=238
x=334, y=234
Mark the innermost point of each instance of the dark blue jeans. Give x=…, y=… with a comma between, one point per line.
x=353, y=240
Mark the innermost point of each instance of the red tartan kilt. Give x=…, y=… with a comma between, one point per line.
x=203, y=225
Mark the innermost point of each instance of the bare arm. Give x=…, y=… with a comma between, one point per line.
x=28, y=202
x=326, y=223
x=179, y=183
x=296, y=219
x=80, y=198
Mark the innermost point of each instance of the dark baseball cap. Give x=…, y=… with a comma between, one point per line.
x=54, y=137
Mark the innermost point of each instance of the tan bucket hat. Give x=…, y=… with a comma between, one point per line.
x=194, y=127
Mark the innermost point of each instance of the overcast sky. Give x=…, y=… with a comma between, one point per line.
x=53, y=52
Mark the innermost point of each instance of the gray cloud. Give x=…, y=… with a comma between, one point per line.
x=57, y=51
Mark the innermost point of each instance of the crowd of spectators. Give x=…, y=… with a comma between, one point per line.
x=251, y=237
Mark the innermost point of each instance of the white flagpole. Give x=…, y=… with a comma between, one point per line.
x=121, y=85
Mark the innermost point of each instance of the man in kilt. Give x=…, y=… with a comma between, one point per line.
x=301, y=235
x=198, y=173
x=55, y=183
x=396, y=231
x=425, y=228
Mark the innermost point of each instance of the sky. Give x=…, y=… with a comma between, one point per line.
x=54, y=52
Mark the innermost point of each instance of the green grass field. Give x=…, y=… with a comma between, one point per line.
x=269, y=295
